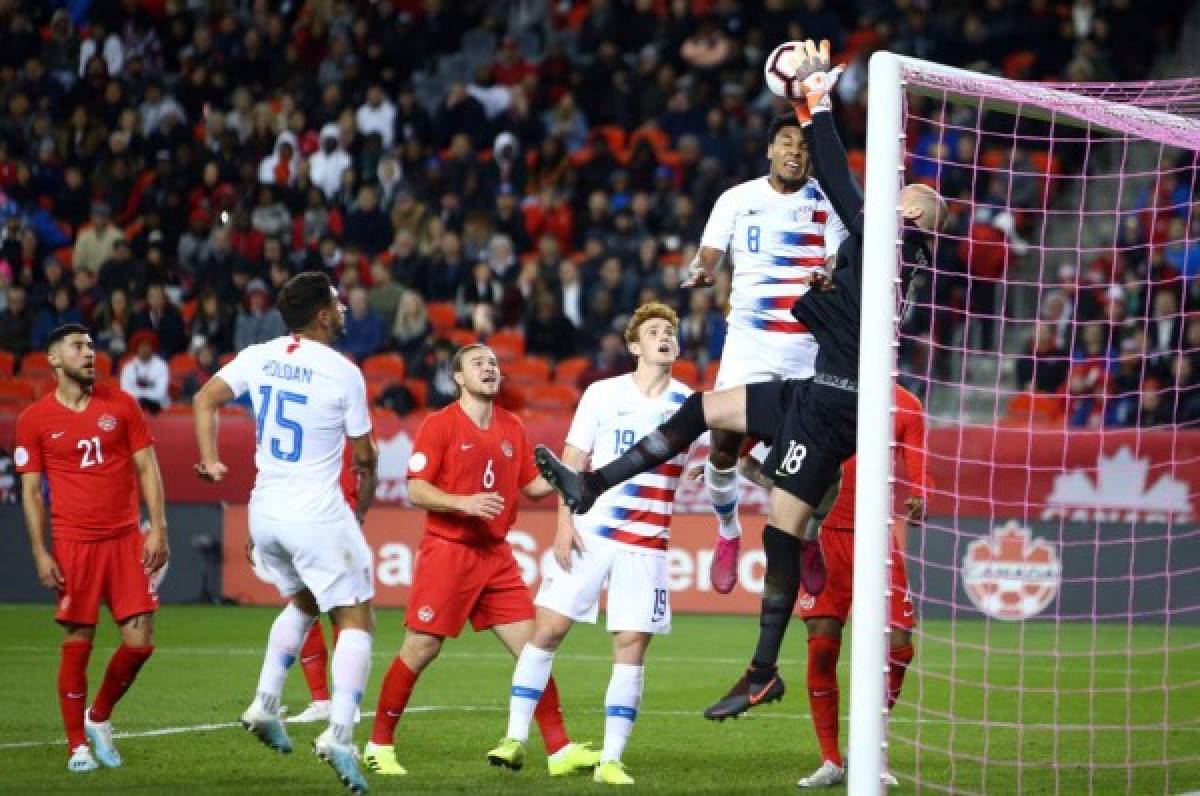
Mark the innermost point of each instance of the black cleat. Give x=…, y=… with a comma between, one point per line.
x=745, y=695
x=568, y=482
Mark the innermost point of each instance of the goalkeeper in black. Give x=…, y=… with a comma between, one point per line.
x=811, y=423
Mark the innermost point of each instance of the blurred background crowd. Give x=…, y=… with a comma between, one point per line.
x=527, y=172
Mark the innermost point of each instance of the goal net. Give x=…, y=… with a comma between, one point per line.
x=1055, y=343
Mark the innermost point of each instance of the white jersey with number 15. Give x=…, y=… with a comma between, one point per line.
x=307, y=399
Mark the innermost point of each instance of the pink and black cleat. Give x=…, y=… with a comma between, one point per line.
x=723, y=570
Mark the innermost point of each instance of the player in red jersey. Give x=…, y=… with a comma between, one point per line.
x=91, y=444
x=470, y=463
x=825, y=614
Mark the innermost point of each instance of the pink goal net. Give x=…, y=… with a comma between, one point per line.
x=1055, y=343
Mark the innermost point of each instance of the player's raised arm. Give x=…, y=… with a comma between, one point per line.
x=366, y=461
x=156, y=550
x=211, y=397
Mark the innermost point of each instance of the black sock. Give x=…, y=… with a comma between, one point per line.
x=663, y=443
x=780, y=588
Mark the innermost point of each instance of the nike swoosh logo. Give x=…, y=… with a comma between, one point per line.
x=819, y=694
x=80, y=695
x=57, y=434
x=466, y=447
x=756, y=696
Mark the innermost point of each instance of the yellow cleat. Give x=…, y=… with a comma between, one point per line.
x=382, y=760
x=571, y=759
x=509, y=753
x=612, y=773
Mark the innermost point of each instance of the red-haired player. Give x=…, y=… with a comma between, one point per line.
x=91, y=444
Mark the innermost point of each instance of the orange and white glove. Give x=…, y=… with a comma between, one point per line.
x=817, y=78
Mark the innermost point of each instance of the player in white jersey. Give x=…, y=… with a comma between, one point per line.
x=621, y=542
x=308, y=399
x=778, y=230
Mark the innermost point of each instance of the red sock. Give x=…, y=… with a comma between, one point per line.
x=823, y=694
x=548, y=714
x=314, y=659
x=122, y=669
x=72, y=688
x=898, y=660
x=393, y=699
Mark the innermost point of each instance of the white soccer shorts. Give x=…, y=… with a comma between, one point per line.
x=751, y=356
x=638, y=593
x=330, y=559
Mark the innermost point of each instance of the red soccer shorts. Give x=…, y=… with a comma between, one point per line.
x=109, y=571
x=834, y=601
x=454, y=582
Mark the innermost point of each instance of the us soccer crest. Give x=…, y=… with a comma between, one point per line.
x=507, y=449
x=1011, y=575
x=107, y=422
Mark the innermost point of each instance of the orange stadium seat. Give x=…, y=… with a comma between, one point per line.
x=182, y=364
x=420, y=392
x=570, y=369
x=710, y=373
x=527, y=370
x=16, y=391
x=686, y=371
x=442, y=316
x=7, y=363
x=35, y=364
x=462, y=337
x=384, y=366
x=104, y=365
x=509, y=344
x=552, y=397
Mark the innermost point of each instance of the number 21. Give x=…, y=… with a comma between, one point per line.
x=92, y=454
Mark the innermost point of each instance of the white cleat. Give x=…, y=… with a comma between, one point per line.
x=81, y=760
x=828, y=775
x=267, y=727
x=100, y=733
x=343, y=759
x=889, y=781
x=317, y=710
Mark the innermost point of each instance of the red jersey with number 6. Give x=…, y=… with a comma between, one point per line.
x=87, y=457
x=458, y=457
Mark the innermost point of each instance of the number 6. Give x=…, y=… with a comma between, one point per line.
x=489, y=476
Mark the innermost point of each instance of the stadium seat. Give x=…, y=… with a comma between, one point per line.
x=509, y=344
x=420, y=392
x=442, y=316
x=1037, y=409
x=225, y=359
x=687, y=372
x=178, y=408
x=104, y=365
x=8, y=363
x=389, y=366
x=551, y=397
x=710, y=373
x=462, y=337
x=16, y=390
x=35, y=364
x=570, y=369
x=527, y=370
x=182, y=364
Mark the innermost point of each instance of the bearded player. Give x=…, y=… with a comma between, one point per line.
x=778, y=230
x=470, y=464
x=621, y=542
x=91, y=444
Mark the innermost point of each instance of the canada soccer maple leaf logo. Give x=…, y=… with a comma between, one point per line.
x=1011, y=575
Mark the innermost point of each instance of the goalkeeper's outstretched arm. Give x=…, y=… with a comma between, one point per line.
x=832, y=170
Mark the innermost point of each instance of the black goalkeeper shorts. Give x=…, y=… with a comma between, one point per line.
x=811, y=430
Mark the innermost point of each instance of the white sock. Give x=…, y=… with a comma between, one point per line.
x=723, y=493
x=283, y=645
x=620, y=709
x=528, y=683
x=350, y=667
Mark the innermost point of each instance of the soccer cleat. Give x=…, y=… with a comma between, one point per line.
x=509, y=753
x=382, y=760
x=317, y=710
x=889, y=781
x=571, y=759
x=101, y=736
x=343, y=759
x=81, y=760
x=828, y=775
x=745, y=695
x=267, y=727
x=612, y=772
x=812, y=566
x=567, y=481
x=723, y=570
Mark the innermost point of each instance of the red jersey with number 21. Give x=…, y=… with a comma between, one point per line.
x=88, y=459
x=458, y=457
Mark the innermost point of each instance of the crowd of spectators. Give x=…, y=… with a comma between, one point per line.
x=545, y=166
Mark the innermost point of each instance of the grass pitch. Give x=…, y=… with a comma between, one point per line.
x=980, y=697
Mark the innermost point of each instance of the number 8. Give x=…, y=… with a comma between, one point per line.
x=752, y=235
x=489, y=476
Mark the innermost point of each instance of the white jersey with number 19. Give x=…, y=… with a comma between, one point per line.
x=307, y=399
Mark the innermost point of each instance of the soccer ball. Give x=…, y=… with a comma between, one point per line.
x=780, y=72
